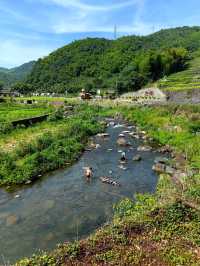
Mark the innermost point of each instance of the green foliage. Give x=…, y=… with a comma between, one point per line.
x=125, y=64
x=57, y=115
x=1, y=85
x=22, y=87
x=12, y=112
x=5, y=128
x=49, y=151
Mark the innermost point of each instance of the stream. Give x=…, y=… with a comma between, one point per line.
x=63, y=206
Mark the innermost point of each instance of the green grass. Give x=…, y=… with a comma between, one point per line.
x=159, y=229
x=11, y=112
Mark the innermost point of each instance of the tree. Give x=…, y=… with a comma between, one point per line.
x=1, y=85
x=22, y=87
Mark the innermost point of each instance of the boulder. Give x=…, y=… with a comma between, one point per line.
x=169, y=170
x=109, y=181
x=103, y=135
x=165, y=149
x=159, y=167
x=121, y=141
x=144, y=148
x=164, y=160
x=137, y=158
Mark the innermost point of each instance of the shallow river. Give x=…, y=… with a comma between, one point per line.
x=64, y=206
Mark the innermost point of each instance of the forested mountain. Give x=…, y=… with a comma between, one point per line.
x=124, y=64
x=9, y=76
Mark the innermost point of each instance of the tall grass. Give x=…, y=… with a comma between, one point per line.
x=50, y=150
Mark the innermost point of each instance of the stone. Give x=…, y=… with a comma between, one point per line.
x=118, y=126
x=165, y=149
x=103, y=135
x=112, y=124
x=159, y=167
x=137, y=158
x=110, y=181
x=17, y=196
x=121, y=141
x=11, y=220
x=164, y=160
x=169, y=170
x=126, y=132
x=121, y=135
x=122, y=167
x=144, y=148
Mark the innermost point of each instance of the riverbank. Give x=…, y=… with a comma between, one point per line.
x=28, y=153
x=159, y=229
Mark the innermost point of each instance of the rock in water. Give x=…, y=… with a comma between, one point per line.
x=11, y=220
x=103, y=135
x=121, y=141
x=144, y=148
x=137, y=158
x=161, y=160
x=110, y=181
x=159, y=167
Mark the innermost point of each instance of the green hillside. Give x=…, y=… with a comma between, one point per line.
x=10, y=76
x=184, y=80
x=125, y=64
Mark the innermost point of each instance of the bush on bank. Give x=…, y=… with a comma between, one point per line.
x=49, y=151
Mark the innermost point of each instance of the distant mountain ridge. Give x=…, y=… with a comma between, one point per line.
x=12, y=75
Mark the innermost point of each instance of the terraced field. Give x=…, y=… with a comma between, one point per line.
x=188, y=79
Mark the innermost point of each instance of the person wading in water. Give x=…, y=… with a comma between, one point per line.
x=123, y=157
x=88, y=172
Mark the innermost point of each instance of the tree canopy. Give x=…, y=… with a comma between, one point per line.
x=125, y=64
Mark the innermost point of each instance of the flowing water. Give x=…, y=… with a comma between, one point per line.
x=63, y=206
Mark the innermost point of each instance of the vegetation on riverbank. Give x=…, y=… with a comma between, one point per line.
x=49, y=145
x=159, y=229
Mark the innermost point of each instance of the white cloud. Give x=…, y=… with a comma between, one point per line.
x=87, y=7
x=86, y=18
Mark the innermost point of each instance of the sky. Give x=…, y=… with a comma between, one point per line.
x=31, y=29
